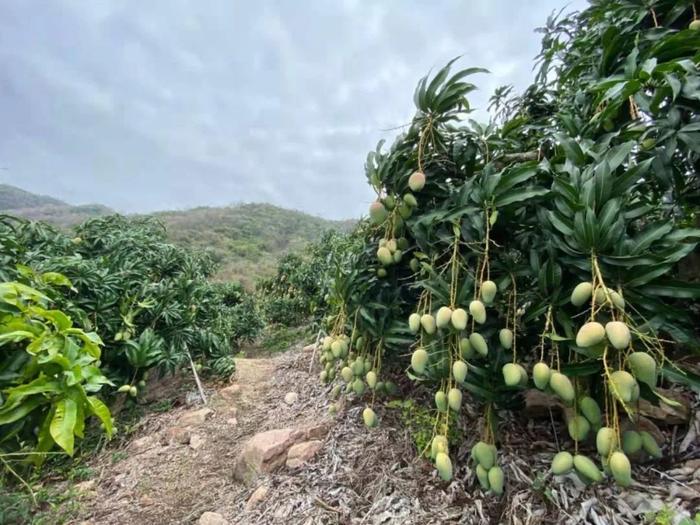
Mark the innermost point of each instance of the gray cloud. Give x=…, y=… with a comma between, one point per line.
x=179, y=103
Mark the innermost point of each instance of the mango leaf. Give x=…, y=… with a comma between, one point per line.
x=62, y=426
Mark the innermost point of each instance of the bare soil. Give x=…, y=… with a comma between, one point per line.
x=359, y=476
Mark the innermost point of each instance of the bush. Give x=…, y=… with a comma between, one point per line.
x=50, y=373
x=150, y=301
x=549, y=237
x=301, y=286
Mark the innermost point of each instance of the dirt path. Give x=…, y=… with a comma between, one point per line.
x=171, y=474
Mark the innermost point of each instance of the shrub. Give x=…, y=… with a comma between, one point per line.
x=589, y=177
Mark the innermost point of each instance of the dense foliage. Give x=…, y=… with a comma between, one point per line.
x=149, y=301
x=541, y=249
x=49, y=374
x=299, y=290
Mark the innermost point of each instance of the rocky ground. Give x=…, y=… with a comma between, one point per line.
x=264, y=450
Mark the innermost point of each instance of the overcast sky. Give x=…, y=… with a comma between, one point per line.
x=162, y=104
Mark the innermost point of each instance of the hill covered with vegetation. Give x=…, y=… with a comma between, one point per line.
x=246, y=240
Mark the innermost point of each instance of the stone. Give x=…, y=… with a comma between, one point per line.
x=146, y=501
x=309, y=348
x=256, y=497
x=195, y=417
x=196, y=441
x=232, y=421
x=302, y=452
x=230, y=392
x=263, y=452
x=212, y=518
x=141, y=444
x=291, y=398
x=176, y=435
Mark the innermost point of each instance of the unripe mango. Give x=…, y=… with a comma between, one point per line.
x=484, y=455
x=478, y=311
x=578, y=428
x=505, y=336
x=465, y=348
x=459, y=371
x=405, y=211
x=581, y=294
x=631, y=441
x=358, y=386
x=478, y=343
x=496, y=479
x=454, y=399
x=389, y=202
x=371, y=379
x=617, y=300
x=419, y=360
x=459, y=319
x=410, y=200
x=541, y=374
x=346, y=374
x=562, y=463
x=511, y=374
x=414, y=265
x=618, y=334
x=488, y=291
x=377, y=212
x=562, y=386
x=381, y=273
x=441, y=401
x=369, y=417
x=621, y=469
x=482, y=475
x=439, y=444
x=623, y=385
x=650, y=445
x=327, y=342
x=586, y=468
x=444, y=466
x=414, y=322
x=427, y=321
x=396, y=258
x=604, y=441
x=643, y=367
x=402, y=243
x=590, y=410
x=384, y=256
x=337, y=348
x=416, y=181
x=590, y=334
x=443, y=316
x=694, y=25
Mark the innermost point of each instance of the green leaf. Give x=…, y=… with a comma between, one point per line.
x=99, y=409
x=63, y=424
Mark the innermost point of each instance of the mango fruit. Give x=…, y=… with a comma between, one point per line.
x=496, y=479
x=541, y=374
x=643, y=367
x=631, y=441
x=590, y=334
x=505, y=337
x=578, y=428
x=562, y=463
x=459, y=319
x=620, y=468
x=488, y=291
x=511, y=374
x=561, y=385
x=419, y=360
x=414, y=322
x=478, y=311
x=454, y=399
x=478, y=343
x=590, y=410
x=427, y=321
x=581, y=293
x=605, y=441
x=587, y=469
x=618, y=334
x=443, y=316
x=416, y=181
x=369, y=417
x=459, y=371
x=377, y=212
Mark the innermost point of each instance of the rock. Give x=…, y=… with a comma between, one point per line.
x=212, y=518
x=146, y=501
x=176, y=435
x=195, y=417
x=196, y=441
x=256, y=497
x=302, y=452
x=232, y=421
x=313, y=432
x=309, y=348
x=263, y=452
x=538, y=404
x=291, y=398
x=141, y=444
x=230, y=392
x=670, y=415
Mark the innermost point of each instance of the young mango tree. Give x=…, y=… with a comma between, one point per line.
x=541, y=250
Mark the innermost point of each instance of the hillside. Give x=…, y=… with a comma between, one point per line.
x=22, y=203
x=245, y=239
